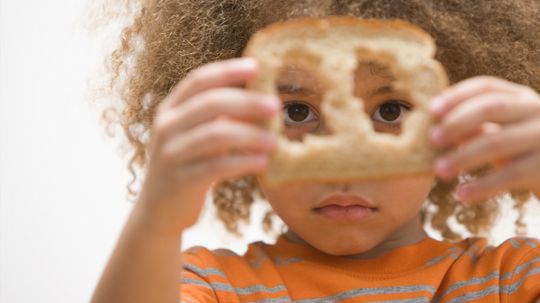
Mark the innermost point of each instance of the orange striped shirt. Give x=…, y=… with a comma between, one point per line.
x=427, y=271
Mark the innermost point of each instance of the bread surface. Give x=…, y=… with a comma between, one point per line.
x=332, y=49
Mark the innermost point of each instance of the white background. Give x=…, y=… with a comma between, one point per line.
x=62, y=181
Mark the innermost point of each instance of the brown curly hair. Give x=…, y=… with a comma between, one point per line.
x=169, y=38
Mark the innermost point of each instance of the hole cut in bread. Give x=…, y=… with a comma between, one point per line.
x=302, y=90
x=336, y=51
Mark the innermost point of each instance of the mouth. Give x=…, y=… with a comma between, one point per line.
x=345, y=207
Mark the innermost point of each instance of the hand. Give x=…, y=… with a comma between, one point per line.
x=204, y=131
x=486, y=120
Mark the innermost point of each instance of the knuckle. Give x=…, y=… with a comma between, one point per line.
x=512, y=174
x=487, y=83
x=164, y=105
x=213, y=98
x=228, y=64
x=527, y=95
x=493, y=142
x=524, y=91
x=528, y=90
x=159, y=129
x=487, y=78
x=160, y=107
x=216, y=100
x=495, y=108
x=196, y=76
x=536, y=133
x=216, y=131
x=213, y=134
x=164, y=124
x=530, y=95
x=260, y=100
x=217, y=164
x=167, y=153
x=536, y=107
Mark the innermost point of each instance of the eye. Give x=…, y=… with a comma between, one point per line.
x=390, y=112
x=297, y=113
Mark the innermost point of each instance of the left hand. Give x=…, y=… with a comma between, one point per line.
x=488, y=120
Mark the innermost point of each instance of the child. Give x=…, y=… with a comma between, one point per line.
x=196, y=123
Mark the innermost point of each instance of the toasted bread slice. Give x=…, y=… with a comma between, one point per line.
x=333, y=48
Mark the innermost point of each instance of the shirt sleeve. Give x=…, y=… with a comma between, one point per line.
x=524, y=285
x=195, y=285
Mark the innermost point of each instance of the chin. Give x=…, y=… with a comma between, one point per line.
x=344, y=246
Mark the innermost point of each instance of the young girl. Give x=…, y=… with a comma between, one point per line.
x=183, y=92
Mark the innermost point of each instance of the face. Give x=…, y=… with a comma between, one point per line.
x=398, y=201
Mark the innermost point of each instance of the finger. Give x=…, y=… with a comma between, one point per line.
x=466, y=89
x=231, y=72
x=485, y=128
x=224, y=167
x=230, y=102
x=217, y=138
x=519, y=175
x=510, y=142
x=467, y=117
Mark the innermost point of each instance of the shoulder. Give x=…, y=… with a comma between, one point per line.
x=521, y=254
x=514, y=248
x=252, y=258
x=209, y=275
x=222, y=275
x=522, y=271
x=206, y=254
x=507, y=252
x=516, y=262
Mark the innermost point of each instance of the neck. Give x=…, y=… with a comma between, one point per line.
x=408, y=234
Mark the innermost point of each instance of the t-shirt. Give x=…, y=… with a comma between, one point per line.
x=426, y=271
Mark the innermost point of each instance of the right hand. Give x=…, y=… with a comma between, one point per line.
x=204, y=131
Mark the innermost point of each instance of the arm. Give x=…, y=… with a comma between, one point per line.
x=144, y=266
x=190, y=149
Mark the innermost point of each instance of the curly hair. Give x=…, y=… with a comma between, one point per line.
x=169, y=38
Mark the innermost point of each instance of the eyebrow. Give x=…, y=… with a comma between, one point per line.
x=293, y=89
x=383, y=90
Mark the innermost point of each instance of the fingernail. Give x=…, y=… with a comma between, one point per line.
x=261, y=160
x=463, y=194
x=436, y=105
x=247, y=63
x=443, y=167
x=272, y=104
x=461, y=200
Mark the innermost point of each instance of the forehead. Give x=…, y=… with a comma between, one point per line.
x=297, y=79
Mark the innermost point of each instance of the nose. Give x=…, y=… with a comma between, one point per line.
x=338, y=186
x=345, y=187
x=324, y=130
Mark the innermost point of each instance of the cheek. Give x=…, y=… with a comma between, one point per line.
x=410, y=191
x=288, y=199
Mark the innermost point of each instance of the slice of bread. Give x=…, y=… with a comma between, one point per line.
x=332, y=48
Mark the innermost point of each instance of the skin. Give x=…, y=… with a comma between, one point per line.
x=481, y=120
x=489, y=120
x=207, y=129
x=190, y=149
x=204, y=132
x=395, y=223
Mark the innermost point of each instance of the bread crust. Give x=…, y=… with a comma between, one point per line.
x=324, y=23
x=354, y=151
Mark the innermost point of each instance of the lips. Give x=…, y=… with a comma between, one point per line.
x=344, y=200
x=345, y=207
